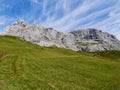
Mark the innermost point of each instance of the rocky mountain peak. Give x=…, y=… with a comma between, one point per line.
x=88, y=40
x=20, y=22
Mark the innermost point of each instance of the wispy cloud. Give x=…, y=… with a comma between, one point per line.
x=4, y=22
x=89, y=14
x=66, y=15
x=35, y=1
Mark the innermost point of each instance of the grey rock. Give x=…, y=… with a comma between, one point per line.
x=88, y=40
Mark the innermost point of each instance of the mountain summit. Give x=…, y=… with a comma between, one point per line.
x=88, y=40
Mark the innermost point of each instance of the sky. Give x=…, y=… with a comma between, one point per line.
x=63, y=15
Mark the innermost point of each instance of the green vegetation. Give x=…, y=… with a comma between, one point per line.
x=86, y=44
x=25, y=66
x=113, y=55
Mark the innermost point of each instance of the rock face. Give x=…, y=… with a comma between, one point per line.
x=88, y=40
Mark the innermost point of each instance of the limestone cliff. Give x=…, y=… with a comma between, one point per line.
x=88, y=40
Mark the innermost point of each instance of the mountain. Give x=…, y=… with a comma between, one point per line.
x=27, y=66
x=88, y=40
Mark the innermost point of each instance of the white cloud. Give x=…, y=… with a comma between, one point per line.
x=35, y=1
x=71, y=17
x=4, y=22
x=79, y=15
x=84, y=15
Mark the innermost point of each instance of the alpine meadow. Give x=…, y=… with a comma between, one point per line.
x=59, y=44
x=26, y=66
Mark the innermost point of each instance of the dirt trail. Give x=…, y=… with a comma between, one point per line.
x=3, y=57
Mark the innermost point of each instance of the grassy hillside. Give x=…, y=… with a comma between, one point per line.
x=113, y=55
x=25, y=66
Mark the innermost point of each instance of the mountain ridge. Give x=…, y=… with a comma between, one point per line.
x=88, y=40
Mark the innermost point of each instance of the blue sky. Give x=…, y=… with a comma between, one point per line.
x=63, y=15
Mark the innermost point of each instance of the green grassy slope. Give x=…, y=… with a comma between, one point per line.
x=25, y=66
x=113, y=55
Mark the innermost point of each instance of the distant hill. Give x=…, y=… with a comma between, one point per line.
x=27, y=66
x=88, y=40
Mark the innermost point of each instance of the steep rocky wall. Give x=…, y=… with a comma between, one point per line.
x=88, y=40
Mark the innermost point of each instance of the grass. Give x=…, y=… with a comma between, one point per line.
x=86, y=44
x=26, y=66
x=113, y=55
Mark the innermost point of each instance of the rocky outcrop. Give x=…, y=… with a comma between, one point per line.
x=95, y=40
x=88, y=40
